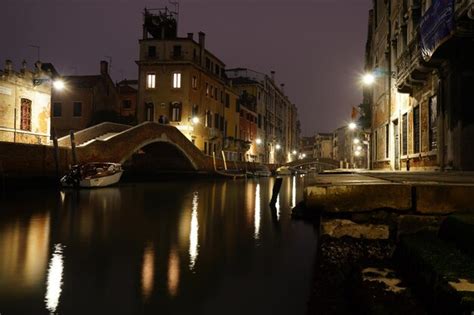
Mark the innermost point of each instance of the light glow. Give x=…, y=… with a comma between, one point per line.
x=294, y=152
x=258, y=141
x=59, y=85
x=195, y=120
x=278, y=147
x=368, y=79
x=356, y=141
x=148, y=271
x=359, y=148
x=357, y=153
x=352, y=126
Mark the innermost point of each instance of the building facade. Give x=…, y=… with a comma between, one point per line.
x=25, y=104
x=421, y=53
x=277, y=118
x=183, y=84
x=323, y=146
x=86, y=100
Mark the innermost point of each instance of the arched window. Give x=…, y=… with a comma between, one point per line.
x=25, y=123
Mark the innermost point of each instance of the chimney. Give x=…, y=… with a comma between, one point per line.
x=8, y=66
x=272, y=75
x=23, y=66
x=282, y=87
x=38, y=65
x=190, y=36
x=104, y=67
x=202, y=40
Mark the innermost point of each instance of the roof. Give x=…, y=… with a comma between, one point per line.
x=83, y=81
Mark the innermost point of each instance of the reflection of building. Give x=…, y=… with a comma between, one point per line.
x=276, y=116
x=25, y=99
x=24, y=252
x=183, y=83
x=421, y=53
x=323, y=145
x=86, y=100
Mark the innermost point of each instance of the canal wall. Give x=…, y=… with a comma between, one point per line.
x=392, y=248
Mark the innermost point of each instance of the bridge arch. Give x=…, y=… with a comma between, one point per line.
x=162, y=139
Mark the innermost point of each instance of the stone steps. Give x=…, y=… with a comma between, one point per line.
x=440, y=273
x=459, y=229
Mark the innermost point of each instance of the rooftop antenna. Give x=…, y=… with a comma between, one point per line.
x=176, y=8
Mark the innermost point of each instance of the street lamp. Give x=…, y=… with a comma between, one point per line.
x=59, y=85
x=356, y=141
x=368, y=79
x=258, y=141
x=294, y=152
x=278, y=147
x=195, y=120
x=352, y=126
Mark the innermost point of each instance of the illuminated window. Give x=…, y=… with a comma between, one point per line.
x=177, y=80
x=151, y=80
x=207, y=89
x=25, y=114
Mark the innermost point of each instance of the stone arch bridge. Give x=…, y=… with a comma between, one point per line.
x=320, y=163
x=110, y=142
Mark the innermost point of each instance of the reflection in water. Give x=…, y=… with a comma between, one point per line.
x=193, y=234
x=293, y=192
x=55, y=277
x=173, y=272
x=24, y=253
x=148, y=270
x=277, y=207
x=257, y=212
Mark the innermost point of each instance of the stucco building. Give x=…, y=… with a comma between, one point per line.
x=323, y=146
x=277, y=117
x=25, y=103
x=184, y=84
x=421, y=53
x=86, y=100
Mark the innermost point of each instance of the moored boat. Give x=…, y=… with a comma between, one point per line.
x=90, y=175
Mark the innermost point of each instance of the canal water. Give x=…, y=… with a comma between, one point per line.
x=204, y=246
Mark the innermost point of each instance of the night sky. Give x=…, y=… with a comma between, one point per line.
x=316, y=47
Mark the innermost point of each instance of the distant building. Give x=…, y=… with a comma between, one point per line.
x=307, y=147
x=323, y=145
x=128, y=93
x=351, y=147
x=277, y=130
x=182, y=83
x=25, y=103
x=86, y=100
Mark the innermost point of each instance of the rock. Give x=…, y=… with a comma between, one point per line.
x=338, y=228
x=409, y=224
x=443, y=199
x=358, y=198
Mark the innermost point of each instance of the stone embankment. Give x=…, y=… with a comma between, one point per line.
x=391, y=248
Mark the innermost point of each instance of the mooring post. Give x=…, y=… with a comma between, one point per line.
x=73, y=147
x=56, y=153
x=276, y=191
